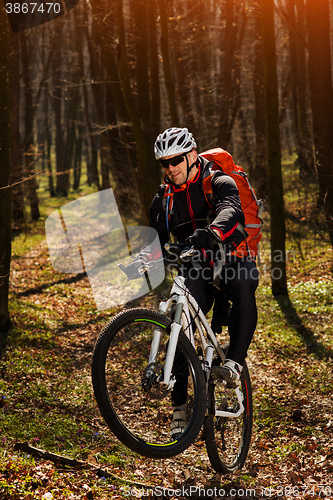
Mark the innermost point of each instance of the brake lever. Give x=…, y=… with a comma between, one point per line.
x=122, y=268
x=131, y=277
x=189, y=253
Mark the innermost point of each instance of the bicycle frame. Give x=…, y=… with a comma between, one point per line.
x=186, y=311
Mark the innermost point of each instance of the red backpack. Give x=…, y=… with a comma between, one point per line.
x=251, y=206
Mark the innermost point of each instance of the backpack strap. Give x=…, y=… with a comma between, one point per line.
x=207, y=177
x=260, y=203
x=207, y=189
x=167, y=204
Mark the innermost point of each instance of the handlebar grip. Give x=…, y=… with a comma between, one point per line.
x=143, y=269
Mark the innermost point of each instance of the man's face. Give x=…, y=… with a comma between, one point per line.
x=177, y=174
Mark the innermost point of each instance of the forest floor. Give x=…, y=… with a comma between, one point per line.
x=47, y=402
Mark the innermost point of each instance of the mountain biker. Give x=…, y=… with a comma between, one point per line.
x=175, y=149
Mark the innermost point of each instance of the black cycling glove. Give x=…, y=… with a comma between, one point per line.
x=203, y=238
x=132, y=271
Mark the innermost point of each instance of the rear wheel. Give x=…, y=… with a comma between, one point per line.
x=228, y=438
x=133, y=402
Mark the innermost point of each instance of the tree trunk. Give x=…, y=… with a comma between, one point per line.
x=140, y=11
x=236, y=72
x=183, y=65
x=28, y=142
x=126, y=186
x=229, y=50
x=165, y=49
x=62, y=183
x=140, y=15
x=48, y=135
x=321, y=92
x=275, y=185
x=92, y=166
x=259, y=172
x=5, y=191
x=73, y=101
x=16, y=146
x=305, y=148
x=78, y=157
x=293, y=67
x=299, y=79
x=124, y=164
x=154, y=71
x=98, y=89
x=147, y=185
x=202, y=35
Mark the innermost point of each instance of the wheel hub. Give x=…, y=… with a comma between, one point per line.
x=150, y=382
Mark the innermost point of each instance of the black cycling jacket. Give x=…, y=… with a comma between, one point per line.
x=190, y=208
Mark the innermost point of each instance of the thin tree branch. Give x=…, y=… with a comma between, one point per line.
x=72, y=462
x=23, y=180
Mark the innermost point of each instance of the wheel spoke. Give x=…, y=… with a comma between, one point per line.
x=228, y=438
x=128, y=389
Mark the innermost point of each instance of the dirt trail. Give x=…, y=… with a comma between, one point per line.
x=308, y=461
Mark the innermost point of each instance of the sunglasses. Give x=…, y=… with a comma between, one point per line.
x=176, y=160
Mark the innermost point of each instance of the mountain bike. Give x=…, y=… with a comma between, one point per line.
x=140, y=361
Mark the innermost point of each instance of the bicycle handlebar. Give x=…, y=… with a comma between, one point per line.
x=181, y=251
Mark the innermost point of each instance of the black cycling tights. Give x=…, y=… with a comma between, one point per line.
x=239, y=281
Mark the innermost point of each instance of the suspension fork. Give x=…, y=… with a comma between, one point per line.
x=173, y=341
x=155, y=345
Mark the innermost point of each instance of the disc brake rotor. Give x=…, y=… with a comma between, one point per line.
x=150, y=383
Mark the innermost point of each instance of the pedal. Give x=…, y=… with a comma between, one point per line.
x=220, y=374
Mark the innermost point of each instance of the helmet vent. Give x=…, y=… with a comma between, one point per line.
x=181, y=140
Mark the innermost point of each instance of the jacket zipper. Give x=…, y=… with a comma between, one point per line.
x=190, y=207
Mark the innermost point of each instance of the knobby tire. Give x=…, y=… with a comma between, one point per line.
x=140, y=414
x=228, y=439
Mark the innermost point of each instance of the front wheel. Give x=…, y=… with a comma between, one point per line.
x=128, y=389
x=228, y=438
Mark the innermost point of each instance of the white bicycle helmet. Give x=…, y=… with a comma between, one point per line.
x=174, y=141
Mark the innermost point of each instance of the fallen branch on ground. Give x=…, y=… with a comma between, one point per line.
x=71, y=462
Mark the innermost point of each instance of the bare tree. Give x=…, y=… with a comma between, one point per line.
x=154, y=82
x=260, y=164
x=16, y=145
x=123, y=161
x=295, y=18
x=5, y=191
x=182, y=50
x=147, y=175
x=29, y=115
x=275, y=185
x=320, y=79
x=165, y=50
